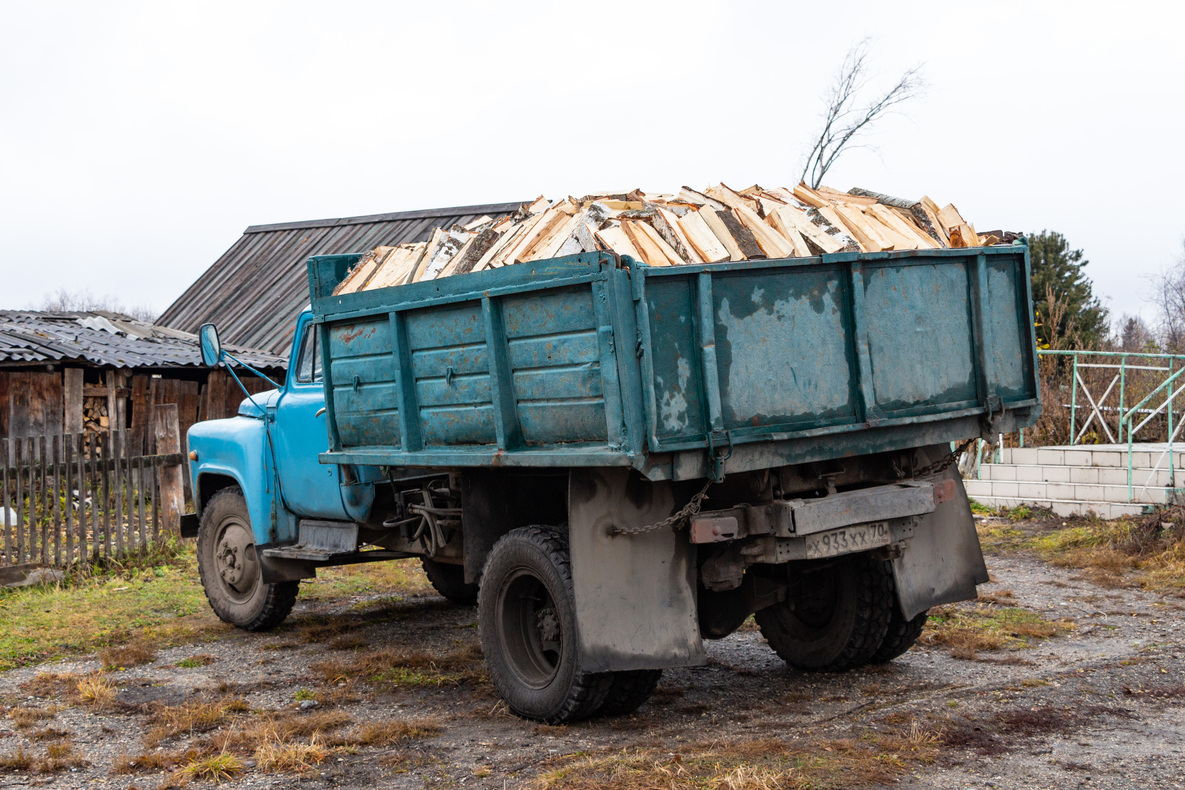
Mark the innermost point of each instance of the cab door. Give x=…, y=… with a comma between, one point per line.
x=299, y=433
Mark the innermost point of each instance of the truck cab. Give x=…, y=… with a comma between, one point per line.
x=269, y=512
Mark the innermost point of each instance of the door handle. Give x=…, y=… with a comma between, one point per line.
x=320, y=411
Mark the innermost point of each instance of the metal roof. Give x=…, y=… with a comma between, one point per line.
x=255, y=291
x=105, y=339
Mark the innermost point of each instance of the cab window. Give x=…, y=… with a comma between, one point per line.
x=308, y=366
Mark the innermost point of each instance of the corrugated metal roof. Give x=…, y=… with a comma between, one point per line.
x=255, y=291
x=105, y=339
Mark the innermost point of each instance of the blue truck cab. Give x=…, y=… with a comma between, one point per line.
x=617, y=462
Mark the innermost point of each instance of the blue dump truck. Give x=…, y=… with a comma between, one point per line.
x=618, y=461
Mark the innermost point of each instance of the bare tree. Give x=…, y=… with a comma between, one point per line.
x=1169, y=289
x=83, y=300
x=847, y=118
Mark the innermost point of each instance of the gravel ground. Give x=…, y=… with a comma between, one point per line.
x=1097, y=707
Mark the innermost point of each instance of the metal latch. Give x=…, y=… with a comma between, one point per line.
x=716, y=454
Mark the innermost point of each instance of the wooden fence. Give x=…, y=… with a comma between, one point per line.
x=80, y=497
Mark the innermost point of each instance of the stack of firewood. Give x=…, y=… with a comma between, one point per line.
x=94, y=415
x=715, y=225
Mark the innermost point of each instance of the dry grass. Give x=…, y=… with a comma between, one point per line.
x=24, y=717
x=747, y=765
x=154, y=761
x=96, y=691
x=390, y=733
x=216, y=767
x=967, y=630
x=59, y=756
x=194, y=716
x=407, y=668
x=51, y=684
x=19, y=761
x=193, y=662
x=282, y=727
x=277, y=754
x=133, y=655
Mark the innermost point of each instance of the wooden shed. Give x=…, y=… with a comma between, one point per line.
x=92, y=372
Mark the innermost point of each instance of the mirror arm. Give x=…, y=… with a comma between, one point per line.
x=227, y=355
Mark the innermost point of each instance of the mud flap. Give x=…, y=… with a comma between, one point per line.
x=635, y=594
x=942, y=563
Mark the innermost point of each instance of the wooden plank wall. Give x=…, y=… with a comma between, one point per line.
x=44, y=404
x=30, y=404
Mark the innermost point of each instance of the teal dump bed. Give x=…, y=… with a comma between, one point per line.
x=682, y=371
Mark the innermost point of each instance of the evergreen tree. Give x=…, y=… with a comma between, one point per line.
x=1074, y=318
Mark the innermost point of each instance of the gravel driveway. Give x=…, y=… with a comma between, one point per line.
x=1098, y=706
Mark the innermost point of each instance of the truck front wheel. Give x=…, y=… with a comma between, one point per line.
x=230, y=571
x=527, y=622
x=835, y=616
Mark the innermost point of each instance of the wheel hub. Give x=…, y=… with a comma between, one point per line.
x=548, y=624
x=230, y=563
x=235, y=562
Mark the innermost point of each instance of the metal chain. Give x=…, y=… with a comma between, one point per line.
x=943, y=464
x=674, y=521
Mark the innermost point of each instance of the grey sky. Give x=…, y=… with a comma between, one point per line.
x=137, y=140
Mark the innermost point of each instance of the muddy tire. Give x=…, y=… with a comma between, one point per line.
x=527, y=622
x=449, y=581
x=901, y=634
x=835, y=617
x=628, y=691
x=230, y=570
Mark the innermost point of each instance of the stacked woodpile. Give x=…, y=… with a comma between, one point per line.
x=95, y=418
x=715, y=225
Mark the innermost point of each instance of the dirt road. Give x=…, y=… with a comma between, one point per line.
x=1099, y=704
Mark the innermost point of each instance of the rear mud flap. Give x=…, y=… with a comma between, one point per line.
x=942, y=563
x=635, y=594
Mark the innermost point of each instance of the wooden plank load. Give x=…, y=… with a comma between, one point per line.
x=710, y=226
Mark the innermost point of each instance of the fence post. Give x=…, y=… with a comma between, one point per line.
x=168, y=441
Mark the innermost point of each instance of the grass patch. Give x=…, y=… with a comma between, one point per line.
x=392, y=733
x=215, y=767
x=404, y=577
x=152, y=605
x=59, y=756
x=283, y=755
x=24, y=717
x=966, y=630
x=96, y=691
x=195, y=716
x=124, y=656
x=744, y=765
x=193, y=662
x=401, y=668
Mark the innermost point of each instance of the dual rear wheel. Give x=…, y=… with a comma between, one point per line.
x=840, y=615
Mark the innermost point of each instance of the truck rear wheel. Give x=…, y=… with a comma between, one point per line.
x=449, y=581
x=835, y=616
x=230, y=571
x=901, y=633
x=628, y=691
x=527, y=622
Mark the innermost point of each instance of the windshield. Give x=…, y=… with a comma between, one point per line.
x=308, y=366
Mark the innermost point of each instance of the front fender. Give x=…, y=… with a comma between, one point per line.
x=237, y=448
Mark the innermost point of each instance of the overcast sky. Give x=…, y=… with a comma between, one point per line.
x=138, y=139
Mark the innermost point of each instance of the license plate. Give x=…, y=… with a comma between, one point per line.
x=847, y=540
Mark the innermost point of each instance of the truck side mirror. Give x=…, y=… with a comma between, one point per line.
x=211, y=347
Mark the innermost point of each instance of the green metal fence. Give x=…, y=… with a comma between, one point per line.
x=1121, y=395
